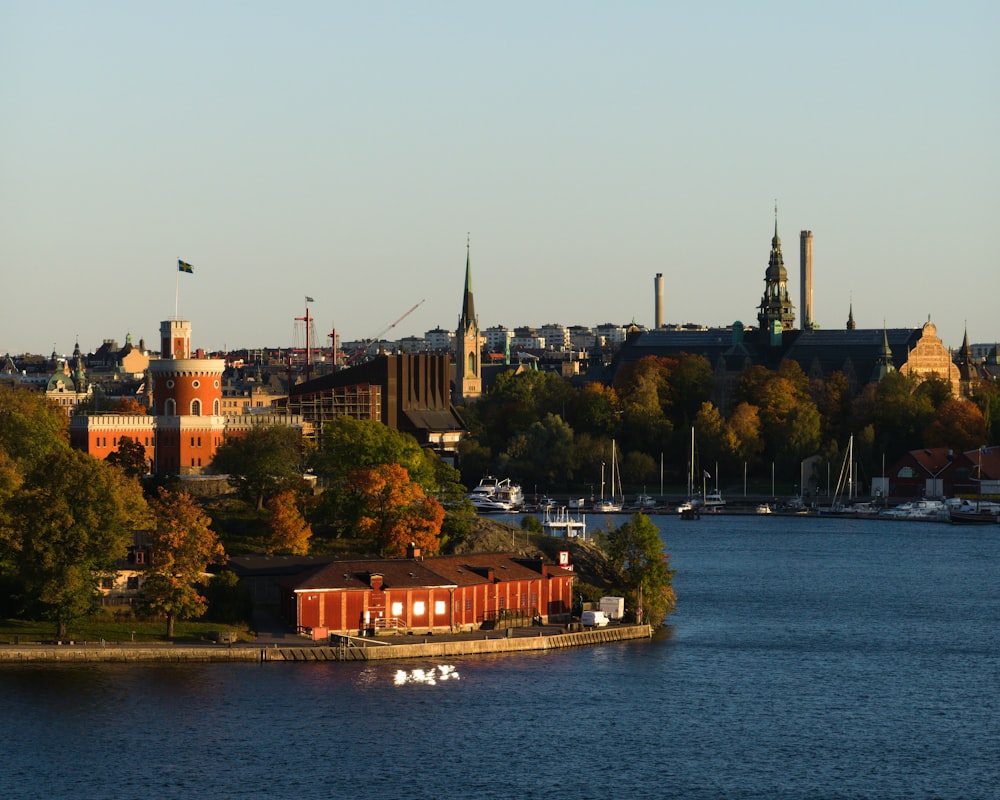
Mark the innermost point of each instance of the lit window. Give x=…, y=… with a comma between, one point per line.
x=419, y=608
x=439, y=608
x=397, y=609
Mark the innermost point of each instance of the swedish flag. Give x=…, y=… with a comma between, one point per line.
x=183, y=266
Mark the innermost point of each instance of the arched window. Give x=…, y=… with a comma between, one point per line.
x=215, y=407
x=196, y=408
x=472, y=362
x=170, y=407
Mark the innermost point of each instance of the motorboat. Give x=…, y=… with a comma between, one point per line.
x=497, y=495
x=764, y=508
x=490, y=505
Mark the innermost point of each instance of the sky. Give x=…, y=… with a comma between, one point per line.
x=349, y=151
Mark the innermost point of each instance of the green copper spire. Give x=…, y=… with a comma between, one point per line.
x=468, y=307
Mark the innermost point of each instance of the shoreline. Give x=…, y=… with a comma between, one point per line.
x=428, y=647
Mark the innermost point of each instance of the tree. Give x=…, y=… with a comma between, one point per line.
x=958, y=424
x=71, y=521
x=395, y=511
x=129, y=457
x=183, y=546
x=30, y=426
x=265, y=461
x=349, y=444
x=643, y=570
x=290, y=533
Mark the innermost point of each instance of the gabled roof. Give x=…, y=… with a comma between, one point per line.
x=467, y=569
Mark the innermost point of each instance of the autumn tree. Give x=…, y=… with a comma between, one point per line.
x=743, y=433
x=71, y=520
x=595, y=409
x=958, y=424
x=395, y=511
x=643, y=573
x=183, y=546
x=129, y=457
x=265, y=461
x=289, y=531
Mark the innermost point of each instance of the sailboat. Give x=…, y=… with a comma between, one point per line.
x=845, y=482
x=610, y=505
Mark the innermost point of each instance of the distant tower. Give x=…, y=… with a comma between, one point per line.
x=658, y=285
x=776, y=313
x=468, y=373
x=187, y=399
x=883, y=361
x=806, y=278
x=851, y=324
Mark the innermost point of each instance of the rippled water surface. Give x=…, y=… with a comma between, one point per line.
x=807, y=659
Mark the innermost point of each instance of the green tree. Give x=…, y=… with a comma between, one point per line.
x=643, y=570
x=129, y=457
x=267, y=460
x=30, y=426
x=72, y=519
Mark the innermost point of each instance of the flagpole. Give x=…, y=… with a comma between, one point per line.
x=177, y=287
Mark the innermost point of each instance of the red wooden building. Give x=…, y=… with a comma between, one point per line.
x=442, y=594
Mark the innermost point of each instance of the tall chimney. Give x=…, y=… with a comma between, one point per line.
x=658, y=285
x=806, y=278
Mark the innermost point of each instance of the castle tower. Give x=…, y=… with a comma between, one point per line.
x=187, y=401
x=776, y=313
x=468, y=372
x=658, y=288
x=806, y=279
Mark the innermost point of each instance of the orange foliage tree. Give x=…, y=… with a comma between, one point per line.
x=290, y=533
x=396, y=511
x=183, y=546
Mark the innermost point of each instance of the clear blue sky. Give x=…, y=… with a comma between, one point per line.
x=344, y=150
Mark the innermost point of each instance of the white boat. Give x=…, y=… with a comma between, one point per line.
x=491, y=505
x=497, y=495
x=764, y=508
x=560, y=522
x=610, y=505
x=645, y=501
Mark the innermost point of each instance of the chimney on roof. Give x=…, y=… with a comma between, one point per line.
x=412, y=551
x=376, y=581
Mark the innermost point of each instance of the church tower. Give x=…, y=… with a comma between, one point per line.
x=776, y=313
x=468, y=372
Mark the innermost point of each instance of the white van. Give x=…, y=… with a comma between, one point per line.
x=593, y=619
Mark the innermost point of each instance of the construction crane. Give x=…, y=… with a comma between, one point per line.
x=388, y=328
x=378, y=336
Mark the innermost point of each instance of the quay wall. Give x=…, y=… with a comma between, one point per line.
x=426, y=648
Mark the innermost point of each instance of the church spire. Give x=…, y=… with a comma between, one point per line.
x=468, y=306
x=851, y=324
x=776, y=312
x=468, y=368
x=883, y=361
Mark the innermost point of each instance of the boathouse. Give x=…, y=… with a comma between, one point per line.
x=416, y=595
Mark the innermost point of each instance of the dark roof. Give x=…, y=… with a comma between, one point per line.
x=854, y=352
x=468, y=569
x=257, y=565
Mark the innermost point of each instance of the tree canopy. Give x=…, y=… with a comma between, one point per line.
x=264, y=462
x=183, y=546
x=643, y=569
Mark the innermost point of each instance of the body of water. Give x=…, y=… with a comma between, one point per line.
x=808, y=658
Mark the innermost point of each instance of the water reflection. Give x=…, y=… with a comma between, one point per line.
x=429, y=677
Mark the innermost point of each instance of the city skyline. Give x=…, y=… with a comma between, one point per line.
x=348, y=154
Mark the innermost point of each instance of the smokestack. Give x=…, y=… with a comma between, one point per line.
x=658, y=285
x=806, y=278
